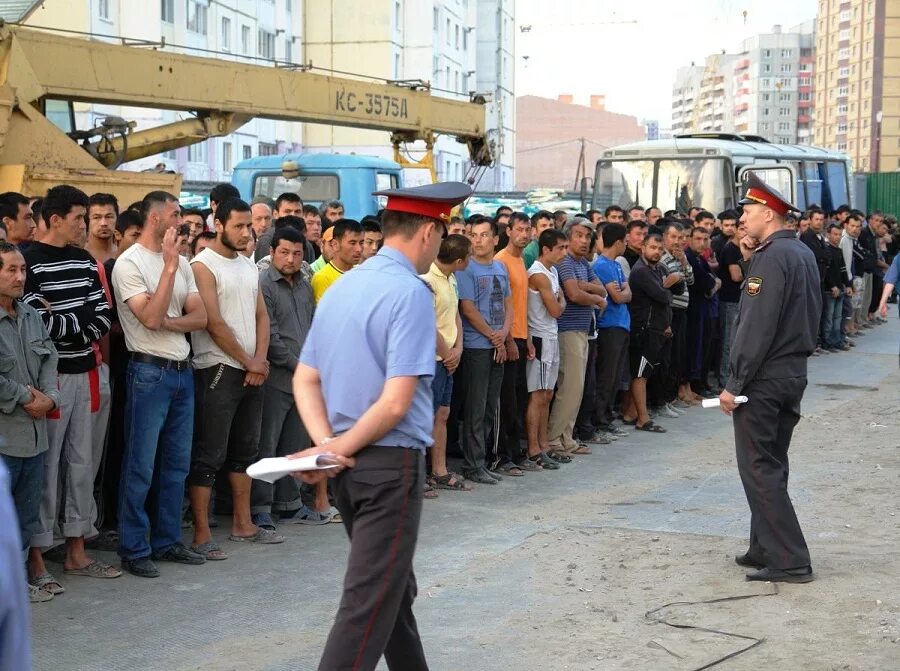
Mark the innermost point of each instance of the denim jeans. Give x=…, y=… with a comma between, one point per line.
x=26, y=482
x=159, y=425
x=831, y=320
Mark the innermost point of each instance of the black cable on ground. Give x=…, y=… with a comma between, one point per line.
x=652, y=616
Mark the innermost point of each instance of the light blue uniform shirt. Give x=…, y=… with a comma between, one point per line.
x=375, y=323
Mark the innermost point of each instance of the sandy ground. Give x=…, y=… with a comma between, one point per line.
x=557, y=570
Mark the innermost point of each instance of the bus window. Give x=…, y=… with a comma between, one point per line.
x=383, y=182
x=778, y=177
x=310, y=188
x=697, y=182
x=623, y=183
x=813, y=183
x=836, y=172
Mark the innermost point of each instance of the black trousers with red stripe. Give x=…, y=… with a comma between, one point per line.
x=762, y=435
x=381, y=503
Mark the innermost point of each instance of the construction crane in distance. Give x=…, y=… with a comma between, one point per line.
x=38, y=67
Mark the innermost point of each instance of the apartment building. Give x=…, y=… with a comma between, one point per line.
x=858, y=81
x=703, y=96
x=773, y=84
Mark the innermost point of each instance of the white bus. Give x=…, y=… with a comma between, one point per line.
x=706, y=170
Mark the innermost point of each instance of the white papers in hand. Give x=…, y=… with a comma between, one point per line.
x=273, y=468
x=714, y=402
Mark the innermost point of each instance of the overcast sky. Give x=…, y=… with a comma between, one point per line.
x=571, y=48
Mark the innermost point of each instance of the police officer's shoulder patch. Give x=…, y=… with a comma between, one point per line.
x=754, y=285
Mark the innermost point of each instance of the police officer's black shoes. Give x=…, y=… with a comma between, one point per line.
x=795, y=575
x=749, y=561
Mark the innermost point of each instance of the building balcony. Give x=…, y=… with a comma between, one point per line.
x=804, y=118
x=742, y=64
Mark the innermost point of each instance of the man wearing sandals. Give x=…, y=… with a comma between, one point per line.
x=369, y=403
x=27, y=393
x=64, y=287
x=231, y=363
x=453, y=256
x=158, y=303
x=546, y=303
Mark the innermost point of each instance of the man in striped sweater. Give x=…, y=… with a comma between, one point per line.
x=63, y=285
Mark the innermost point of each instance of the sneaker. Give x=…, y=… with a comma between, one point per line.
x=179, y=554
x=615, y=431
x=678, y=405
x=666, y=411
x=142, y=567
x=38, y=595
x=672, y=408
x=263, y=521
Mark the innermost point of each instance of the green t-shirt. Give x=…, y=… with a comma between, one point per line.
x=530, y=254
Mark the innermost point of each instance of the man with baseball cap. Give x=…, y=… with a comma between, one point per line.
x=774, y=334
x=369, y=403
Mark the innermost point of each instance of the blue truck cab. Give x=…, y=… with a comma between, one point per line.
x=318, y=178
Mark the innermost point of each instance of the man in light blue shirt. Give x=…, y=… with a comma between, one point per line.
x=363, y=389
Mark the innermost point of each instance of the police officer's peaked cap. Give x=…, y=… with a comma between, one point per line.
x=760, y=193
x=430, y=200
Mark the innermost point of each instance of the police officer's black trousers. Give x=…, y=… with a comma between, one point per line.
x=380, y=501
x=762, y=434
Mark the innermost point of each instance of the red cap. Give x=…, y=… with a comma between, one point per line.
x=431, y=200
x=762, y=194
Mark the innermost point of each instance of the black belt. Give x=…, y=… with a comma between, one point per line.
x=140, y=357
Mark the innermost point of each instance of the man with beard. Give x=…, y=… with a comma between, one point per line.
x=774, y=334
x=231, y=363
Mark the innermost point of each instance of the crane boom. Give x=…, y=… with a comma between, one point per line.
x=36, y=65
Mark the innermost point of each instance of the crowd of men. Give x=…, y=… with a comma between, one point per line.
x=147, y=353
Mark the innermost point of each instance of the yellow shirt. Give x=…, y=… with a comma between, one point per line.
x=323, y=279
x=518, y=286
x=446, y=303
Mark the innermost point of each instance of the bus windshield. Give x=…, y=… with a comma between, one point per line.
x=680, y=183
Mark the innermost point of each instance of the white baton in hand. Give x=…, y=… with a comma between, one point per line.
x=715, y=403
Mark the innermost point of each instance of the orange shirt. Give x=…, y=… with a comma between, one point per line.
x=518, y=286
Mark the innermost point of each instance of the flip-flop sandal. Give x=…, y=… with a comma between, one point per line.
x=542, y=463
x=559, y=456
x=428, y=492
x=333, y=515
x=96, y=569
x=510, y=469
x=211, y=551
x=450, y=481
x=651, y=427
x=263, y=537
x=306, y=516
x=581, y=449
x=47, y=583
x=529, y=466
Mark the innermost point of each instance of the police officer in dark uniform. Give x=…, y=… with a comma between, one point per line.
x=774, y=334
x=363, y=389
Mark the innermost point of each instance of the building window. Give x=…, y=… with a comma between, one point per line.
x=805, y=81
x=197, y=153
x=844, y=72
x=196, y=16
x=226, y=34
x=447, y=33
x=845, y=15
x=396, y=66
x=784, y=111
x=765, y=111
x=766, y=68
x=843, y=91
x=787, y=67
x=456, y=33
x=265, y=47
x=766, y=97
x=842, y=146
x=227, y=158
x=437, y=19
x=842, y=128
x=268, y=149
x=397, y=15
x=287, y=6
x=289, y=50
x=247, y=152
x=103, y=9
x=465, y=38
x=245, y=40
x=167, y=10
x=843, y=53
x=767, y=53
x=784, y=97
x=787, y=53
x=766, y=83
x=805, y=96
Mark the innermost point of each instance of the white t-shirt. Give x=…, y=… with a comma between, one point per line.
x=137, y=271
x=237, y=286
x=540, y=322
